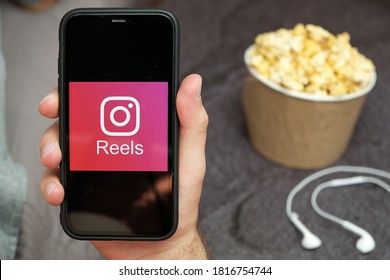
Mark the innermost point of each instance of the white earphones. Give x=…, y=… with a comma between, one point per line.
x=310, y=241
x=366, y=242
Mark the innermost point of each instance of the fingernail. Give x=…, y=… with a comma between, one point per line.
x=50, y=95
x=50, y=187
x=48, y=149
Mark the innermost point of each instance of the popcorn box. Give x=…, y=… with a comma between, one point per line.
x=296, y=129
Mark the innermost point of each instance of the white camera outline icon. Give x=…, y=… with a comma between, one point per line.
x=121, y=108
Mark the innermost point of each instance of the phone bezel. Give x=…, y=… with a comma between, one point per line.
x=63, y=114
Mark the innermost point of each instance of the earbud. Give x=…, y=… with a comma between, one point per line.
x=366, y=242
x=309, y=240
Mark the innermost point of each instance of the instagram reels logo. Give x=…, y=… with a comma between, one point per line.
x=129, y=106
x=105, y=130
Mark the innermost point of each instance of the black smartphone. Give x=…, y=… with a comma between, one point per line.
x=118, y=78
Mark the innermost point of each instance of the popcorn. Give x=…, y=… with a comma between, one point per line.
x=310, y=59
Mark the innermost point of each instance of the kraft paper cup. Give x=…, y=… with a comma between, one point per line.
x=296, y=129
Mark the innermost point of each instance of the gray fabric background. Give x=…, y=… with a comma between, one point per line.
x=12, y=184
x=243, y=202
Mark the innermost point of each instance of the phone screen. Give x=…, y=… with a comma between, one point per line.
x=118, y=79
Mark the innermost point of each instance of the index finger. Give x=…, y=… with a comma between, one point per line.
x=49, y=105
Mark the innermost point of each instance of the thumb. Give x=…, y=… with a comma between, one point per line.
x=193, y=129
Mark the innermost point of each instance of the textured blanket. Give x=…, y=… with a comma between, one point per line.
x=12, y=185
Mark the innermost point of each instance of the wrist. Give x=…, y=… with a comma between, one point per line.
x=187, y=247
x=192, y=249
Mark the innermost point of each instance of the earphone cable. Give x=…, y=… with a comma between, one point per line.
x=343, y=182
x=328, y=171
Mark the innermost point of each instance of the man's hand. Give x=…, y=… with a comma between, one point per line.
x=186, y=242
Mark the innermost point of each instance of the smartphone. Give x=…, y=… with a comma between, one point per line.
x=118, y=78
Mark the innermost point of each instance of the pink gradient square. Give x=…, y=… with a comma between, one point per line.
x=118, y=126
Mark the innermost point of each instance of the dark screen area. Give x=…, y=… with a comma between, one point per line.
x=137, y=47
